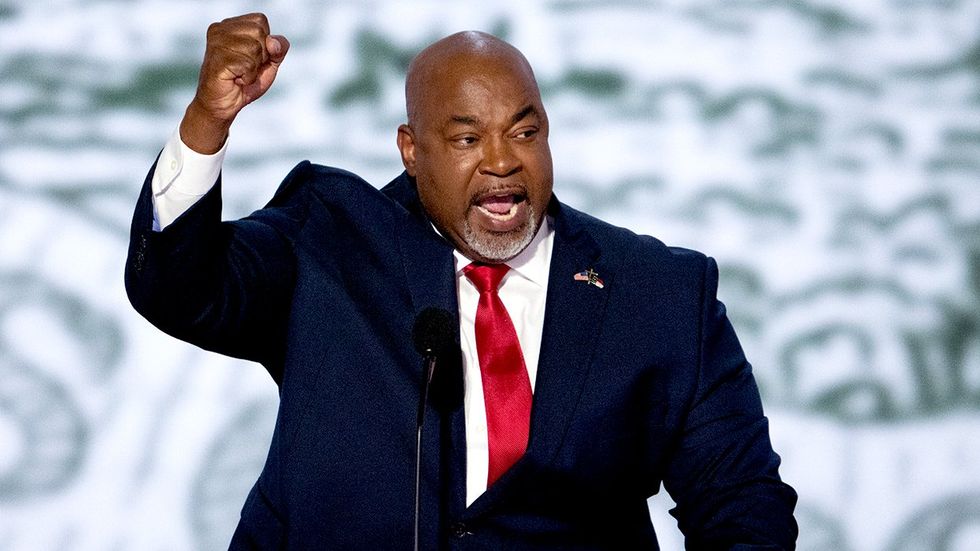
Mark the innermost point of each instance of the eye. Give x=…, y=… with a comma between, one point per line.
x=525, y=133
x=465, y=140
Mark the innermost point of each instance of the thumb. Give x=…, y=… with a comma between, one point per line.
x=277, y=46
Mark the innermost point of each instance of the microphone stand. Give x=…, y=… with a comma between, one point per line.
x=430, y=365
x=432, y=334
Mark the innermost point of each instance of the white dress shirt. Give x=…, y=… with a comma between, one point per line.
x=523, y=291
x=183, y=176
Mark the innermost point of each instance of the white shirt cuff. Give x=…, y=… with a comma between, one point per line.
x=181, y=178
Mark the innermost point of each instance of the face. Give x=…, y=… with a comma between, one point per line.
x=477, y=145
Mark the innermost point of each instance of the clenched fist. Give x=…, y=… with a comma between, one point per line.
x=241, y=60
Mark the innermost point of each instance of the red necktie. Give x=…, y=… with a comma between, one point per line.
x=506, y=387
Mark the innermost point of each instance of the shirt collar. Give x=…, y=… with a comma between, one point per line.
x=532, y=263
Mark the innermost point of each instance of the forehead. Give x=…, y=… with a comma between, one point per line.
x=489, y=88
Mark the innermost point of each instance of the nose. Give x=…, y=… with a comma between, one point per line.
x=499, y=158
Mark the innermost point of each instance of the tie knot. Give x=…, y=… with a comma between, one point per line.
x=486, y=277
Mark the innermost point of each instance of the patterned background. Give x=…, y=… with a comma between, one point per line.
x=827, y=152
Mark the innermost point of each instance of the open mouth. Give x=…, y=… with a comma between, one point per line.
x=500, y=207
x=502, y=211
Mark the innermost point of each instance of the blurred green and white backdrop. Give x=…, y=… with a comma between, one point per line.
x=826, y=152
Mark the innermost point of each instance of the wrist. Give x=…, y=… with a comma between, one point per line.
x=201, y=131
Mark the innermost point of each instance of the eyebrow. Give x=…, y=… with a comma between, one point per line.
x=519, y=116
x=465, y=119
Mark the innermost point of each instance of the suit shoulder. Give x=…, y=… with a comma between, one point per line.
x=321, y=180
x=328, y=196
x=634, y=249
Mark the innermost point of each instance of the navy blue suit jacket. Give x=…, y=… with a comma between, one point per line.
x=640, y=383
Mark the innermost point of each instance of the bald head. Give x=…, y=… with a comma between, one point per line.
x=457, y=57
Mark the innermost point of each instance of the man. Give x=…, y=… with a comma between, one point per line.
x=597, y=364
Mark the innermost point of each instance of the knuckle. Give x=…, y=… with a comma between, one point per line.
x=249, y=49
x=256, y=20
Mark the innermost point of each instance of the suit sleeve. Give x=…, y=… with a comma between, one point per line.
x=224, y=286
x=724, y=475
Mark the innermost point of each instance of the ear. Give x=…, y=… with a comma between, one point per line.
x=406, y=145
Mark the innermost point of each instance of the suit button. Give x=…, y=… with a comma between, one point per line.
x=459, y=529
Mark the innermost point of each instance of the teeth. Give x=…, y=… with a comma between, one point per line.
x=497, y=216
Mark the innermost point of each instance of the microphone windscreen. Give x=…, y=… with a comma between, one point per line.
x=434, y=331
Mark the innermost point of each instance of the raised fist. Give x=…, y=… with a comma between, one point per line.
x=240, y=63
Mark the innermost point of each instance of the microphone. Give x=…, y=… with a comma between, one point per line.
x=434, y=331
x=434, y=336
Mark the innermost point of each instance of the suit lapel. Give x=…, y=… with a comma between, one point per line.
x=426, y=256
x=573, y=314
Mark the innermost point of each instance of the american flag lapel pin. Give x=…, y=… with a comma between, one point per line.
x=589, y=276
